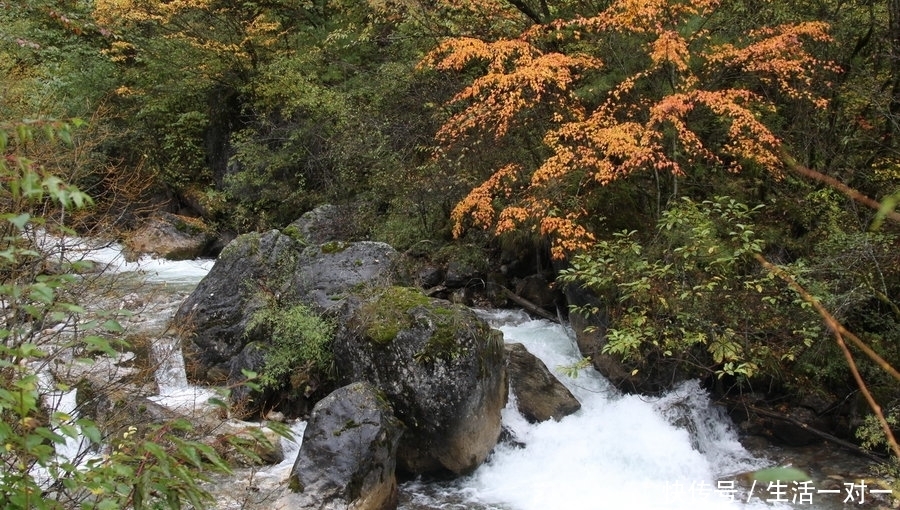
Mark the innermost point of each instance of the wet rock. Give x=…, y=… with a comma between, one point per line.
x=539, y=395
x=347, y=458
x=430, y=276
x=460, y=273
x=328, y=272
x=441, y=367
x=536, y=289
x=170, y=236
x=794, y=431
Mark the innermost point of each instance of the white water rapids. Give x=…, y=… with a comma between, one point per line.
x=618, y=451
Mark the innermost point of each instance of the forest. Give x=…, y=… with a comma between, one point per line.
x=721, y=175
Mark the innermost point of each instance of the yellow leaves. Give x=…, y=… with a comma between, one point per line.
x=119, y=51
x=670, y=48
x=112, y=12
x=647, y=16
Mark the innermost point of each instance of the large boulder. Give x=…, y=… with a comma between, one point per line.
x=214, y=318
x=441, y=367
x=170, y=236
x=256, y=270
x=539, y=395
x=347, y=457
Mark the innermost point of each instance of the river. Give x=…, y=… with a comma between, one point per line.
x=678, y=451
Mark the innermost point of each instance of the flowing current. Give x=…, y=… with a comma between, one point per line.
x=672, y=452
x=619, y=451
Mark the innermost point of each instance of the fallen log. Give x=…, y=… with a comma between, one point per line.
x=528, y=305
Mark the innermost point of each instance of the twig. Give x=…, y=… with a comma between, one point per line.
x=837, y=185
x=812, y=430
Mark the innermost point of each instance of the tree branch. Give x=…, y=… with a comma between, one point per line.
x=837, y=185
x=839, y=332
x=527, y=11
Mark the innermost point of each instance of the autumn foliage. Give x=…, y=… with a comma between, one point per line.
x=655, y=116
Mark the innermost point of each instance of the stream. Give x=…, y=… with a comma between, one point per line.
x=678, y=451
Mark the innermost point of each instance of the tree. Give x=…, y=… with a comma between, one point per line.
x=43, y=323
x=686, y=98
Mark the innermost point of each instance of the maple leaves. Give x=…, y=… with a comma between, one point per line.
x=518, y=76
x=648, y=121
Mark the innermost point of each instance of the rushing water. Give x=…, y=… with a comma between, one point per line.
x=616, y=452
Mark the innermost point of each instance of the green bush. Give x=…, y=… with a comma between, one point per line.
x=691, y=293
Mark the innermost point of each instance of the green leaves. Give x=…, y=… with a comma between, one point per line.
x=300, y=343
x=688, y=293
x=152, y=468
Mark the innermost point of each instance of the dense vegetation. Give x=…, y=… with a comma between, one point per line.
x=663, y=151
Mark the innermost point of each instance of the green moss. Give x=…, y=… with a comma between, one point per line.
x=388, y=313
x=399, y=308
x=334, y=247
x=450, y=325
x=294, y=233
x=251, y=239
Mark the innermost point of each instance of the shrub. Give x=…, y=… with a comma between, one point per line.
x=299, y=346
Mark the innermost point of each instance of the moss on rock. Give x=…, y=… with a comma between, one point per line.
x=388, y=312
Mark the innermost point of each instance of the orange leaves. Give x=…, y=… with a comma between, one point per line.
x=647, y=16
x=478, y=206
x=670, y=48
x=518, y=77
x=670, y=109
x=777, y=57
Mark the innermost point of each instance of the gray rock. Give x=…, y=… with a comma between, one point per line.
x=255, y=269
x=539, y=395
x=441, y=367
x=347, y=457
x=326, y=223
x=328, y=272
x=215, y=316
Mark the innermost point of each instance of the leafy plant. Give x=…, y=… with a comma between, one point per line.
x=664, y=110
x=690, y=294
x=299, y=346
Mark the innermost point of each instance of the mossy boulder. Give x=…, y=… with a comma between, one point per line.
x=264, y=270
x=441, y=367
